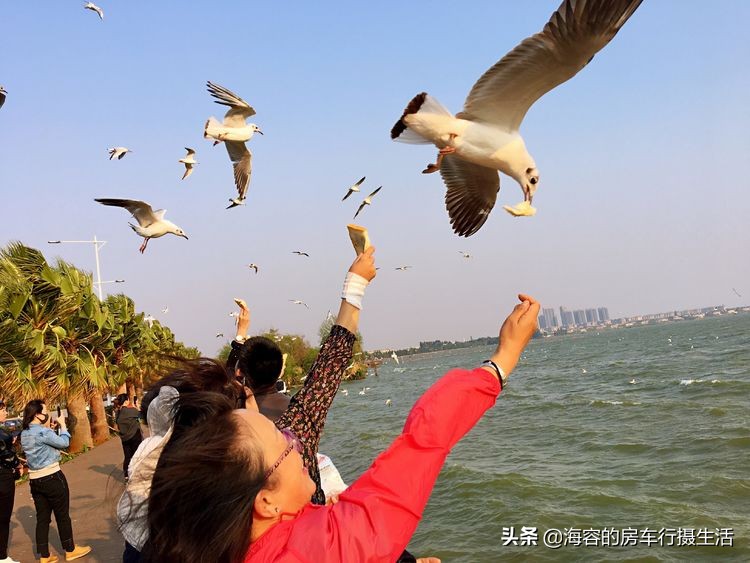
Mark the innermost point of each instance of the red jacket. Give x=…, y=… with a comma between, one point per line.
x=377, y=515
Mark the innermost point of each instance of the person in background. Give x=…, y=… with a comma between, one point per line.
x=252, y=503
x=128, y=422
x=10, y=470
x=48, y=485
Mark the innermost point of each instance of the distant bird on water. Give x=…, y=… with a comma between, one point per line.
x=3, y=94
x=483, y=138
x=235, y=132
x=253, y=266
x=151, y=224
x=189, y=161
x=367, y=201
x=94, y=8
x=298, y=302
x=354, y=188
x=300, y=253
x=118, y=152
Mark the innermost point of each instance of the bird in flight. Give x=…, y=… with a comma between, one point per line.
x=94, y=8
x=234, y=132
x=151, y=224
x=465, y=254
x=149, y=320
x=367, y=201
x=219, y=335
x=3, y=94
x=403, y=268
x=234, y=314
x=165, y=310
x=300, y=253
x=189, y=161
x=354, y=188
x=118, y=152
x=483, y=138
x=253, y=266
x=737, y=293
x=395, y=358
x=298, y=302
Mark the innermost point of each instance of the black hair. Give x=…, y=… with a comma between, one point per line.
x=202, y=494
x=30, y=412
x=121, y=399
x=260, y=362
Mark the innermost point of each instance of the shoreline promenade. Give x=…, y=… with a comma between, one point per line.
x=96, y=482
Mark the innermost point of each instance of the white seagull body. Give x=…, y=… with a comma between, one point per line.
x=395, y=358
x=484, y=137
x=94, y=8
x=3, y=93
x=298, y=302
x=149, y=320
x=165, y=310
x=354, y=188
x=234, y=131
x=151, y=224
x=465, y=254
x=118, y=152
x=189, y=161
x=367, y=201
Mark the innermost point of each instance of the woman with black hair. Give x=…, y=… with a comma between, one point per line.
x=230, y=486
x=10, y=470
x=128, y=422
x=48, y=485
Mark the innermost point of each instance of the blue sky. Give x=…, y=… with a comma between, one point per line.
x=642, y=205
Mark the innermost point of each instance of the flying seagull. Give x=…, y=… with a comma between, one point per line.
x=483, y=138
x=94, y=8
x=219, y=335
x=300, y=253
x=165, y=310
x=354, y=188
x=253, y=266
x=395, y=358
x=367, y=201
x=118, y=152
x=736, y=293
x=234, y=132
x=188, y=160
x=3, y=93
x=465, y=254
x=149, y=319
x=151, y=224
x=403, y=268
x=298, y=302
x=234, y=314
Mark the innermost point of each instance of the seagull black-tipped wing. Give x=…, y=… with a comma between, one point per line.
x=241, y=159
x=574, y=34
x=141, y=210
x=352, y=188
x=239, y=108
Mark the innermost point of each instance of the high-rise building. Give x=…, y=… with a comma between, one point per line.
x=543, y=323
x=603, y=314
x=591, y=316
x=550, y=318
x=579, y=317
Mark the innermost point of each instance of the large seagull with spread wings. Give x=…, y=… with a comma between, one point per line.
x=234, y=132
x=483, y=138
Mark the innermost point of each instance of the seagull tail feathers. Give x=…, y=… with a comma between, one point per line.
x=212, y=128
x=421, y=103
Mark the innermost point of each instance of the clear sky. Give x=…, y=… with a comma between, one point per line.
x=642, y=206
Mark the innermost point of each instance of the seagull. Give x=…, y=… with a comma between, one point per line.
x=298, y=302
x=151, y=224
x=395, y=358
x=388, y=403
x=234, y=314
x=735, y=291
x=3, y=93
x=300, y=253
x=165, y=310
x=354, y=188
x=219, y=335
x=583, y=370
x=362, y=392
x=234, y=132
x=149, y=319
x=367, y=201
x=403, y=268
x=465, y=254
x=118, y=152
x=345, y=392
x=94, y=8
x=632, y=381
x=188, y=160
x=253, y=266
x=483, y=138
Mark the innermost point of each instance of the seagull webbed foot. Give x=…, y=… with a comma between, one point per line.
x=430, y=169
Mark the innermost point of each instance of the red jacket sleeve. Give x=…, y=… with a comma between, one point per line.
x=376, y=517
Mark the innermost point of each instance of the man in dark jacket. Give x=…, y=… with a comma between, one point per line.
x=129, y=428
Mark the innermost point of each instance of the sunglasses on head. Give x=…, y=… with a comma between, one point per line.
x=293, y=443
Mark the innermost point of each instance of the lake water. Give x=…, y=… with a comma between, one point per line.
x=649, y=446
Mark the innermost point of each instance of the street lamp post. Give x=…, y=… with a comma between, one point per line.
x=98, y=244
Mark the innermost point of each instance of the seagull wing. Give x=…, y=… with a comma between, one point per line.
x=239, y=108
x=139, y=209
x=373, y=193
x=190, y=152
x=242, y=161
x=471, y=195
x=354, y=188
x=361, y=207
x=2, y=97
x=99, y=11
x=574, y=34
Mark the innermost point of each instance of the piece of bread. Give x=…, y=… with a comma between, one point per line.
x=360, y=239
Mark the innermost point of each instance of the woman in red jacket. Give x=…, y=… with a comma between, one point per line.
x=230, y=486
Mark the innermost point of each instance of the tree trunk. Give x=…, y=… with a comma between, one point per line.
x=99, y=427
x=78, y=423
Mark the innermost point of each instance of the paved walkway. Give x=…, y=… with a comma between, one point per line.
x=95, y=480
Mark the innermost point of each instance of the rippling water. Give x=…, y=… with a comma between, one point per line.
x=653, y=434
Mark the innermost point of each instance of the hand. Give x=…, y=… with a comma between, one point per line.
x=331, y=500
x=516, y=332
x=364, y=264
x=61, y=423
x=428, y=560
x=243, y=320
